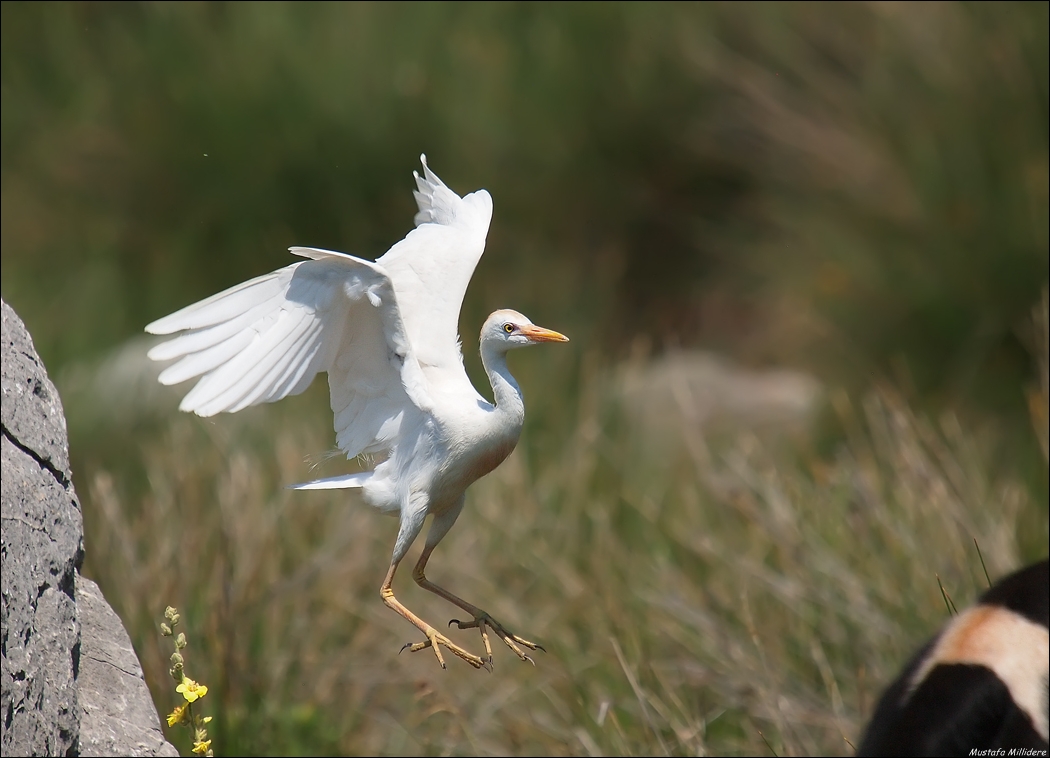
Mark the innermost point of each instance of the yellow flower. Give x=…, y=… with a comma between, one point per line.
x=202, y=747
x=176, y=716
x=191, y=690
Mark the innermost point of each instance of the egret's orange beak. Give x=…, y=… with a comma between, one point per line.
x=539, y=334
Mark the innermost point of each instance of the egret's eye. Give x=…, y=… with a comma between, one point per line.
x=508, y=328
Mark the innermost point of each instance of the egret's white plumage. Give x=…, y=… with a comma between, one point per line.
x=386, y=334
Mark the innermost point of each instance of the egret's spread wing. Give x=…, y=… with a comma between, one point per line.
x=431, y=267
x=269, y=337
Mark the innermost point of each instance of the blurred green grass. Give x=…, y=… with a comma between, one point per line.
x=858, y=190
x=713, y=601
x=855, y=188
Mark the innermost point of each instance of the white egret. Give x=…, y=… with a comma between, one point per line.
x=386, y=333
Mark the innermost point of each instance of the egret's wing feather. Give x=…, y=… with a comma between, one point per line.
x=269, y=337
x=198, y=340
x=221, y=307
x=431, y=267
x=378, y=329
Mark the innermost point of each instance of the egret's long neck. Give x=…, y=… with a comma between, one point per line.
x=510, y=406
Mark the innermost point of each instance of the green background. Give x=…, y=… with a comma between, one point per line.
x=855, y=190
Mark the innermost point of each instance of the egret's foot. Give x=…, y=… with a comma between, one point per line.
x=435, y=640
x=483, y=620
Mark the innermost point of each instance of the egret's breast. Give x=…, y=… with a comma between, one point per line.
x=488, y=458
x=472, y=463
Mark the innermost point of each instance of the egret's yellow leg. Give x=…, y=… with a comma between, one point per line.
x=434, y=638
x=482, y=619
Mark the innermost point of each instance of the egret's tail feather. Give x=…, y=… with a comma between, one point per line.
x=334, y=482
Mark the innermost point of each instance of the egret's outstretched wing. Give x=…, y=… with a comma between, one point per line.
x=269, y=337
x=431, y=267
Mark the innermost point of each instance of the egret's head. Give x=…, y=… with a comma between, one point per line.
x=507, y=329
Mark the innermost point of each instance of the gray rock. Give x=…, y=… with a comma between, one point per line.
x=692, y=391
x=71, y=683
x=41, y=537
x=117, y=715
x=32, y=410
